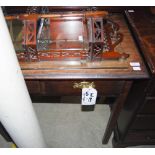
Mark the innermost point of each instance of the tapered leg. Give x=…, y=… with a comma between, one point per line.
x=116, y=111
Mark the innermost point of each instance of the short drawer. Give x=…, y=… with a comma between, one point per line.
x=140, y=137
x=148, y=106
x=144, y=122
x=65, y=87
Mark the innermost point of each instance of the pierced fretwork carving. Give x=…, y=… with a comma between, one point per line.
x=32, y=53
x=86, y=35
x=62, y=55
x=98, y=30
x=29, y=40
x=29, y=32
x=22, y=56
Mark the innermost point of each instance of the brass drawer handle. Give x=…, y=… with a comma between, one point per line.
x=83, y=84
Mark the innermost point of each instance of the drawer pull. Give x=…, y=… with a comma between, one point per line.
x=83, y=84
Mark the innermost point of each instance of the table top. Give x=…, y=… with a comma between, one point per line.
x=143, y=26
x=105, y=69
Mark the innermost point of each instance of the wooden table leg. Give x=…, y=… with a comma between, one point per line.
x=4, y=133
x=116, y=111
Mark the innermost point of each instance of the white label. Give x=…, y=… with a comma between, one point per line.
x=131, y=11
x=136, y=68
x=80, y=38
x=134, y=64
x=89, y=96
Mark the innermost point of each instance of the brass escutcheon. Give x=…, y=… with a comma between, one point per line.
x=83, y=84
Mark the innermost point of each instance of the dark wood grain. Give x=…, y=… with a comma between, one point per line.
x=143, y=122
x=148, y=106
x=143, y=27
x=52, y=79
x=135, y=125
x=112, y=69
x=57, y=87
x=136, y=137
x=143, y=137
x=22, y=9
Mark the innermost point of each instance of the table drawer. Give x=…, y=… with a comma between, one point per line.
x=144, y=122
x=33, y=86
x=65, y=87
x=148, y=107
x=140, y=137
